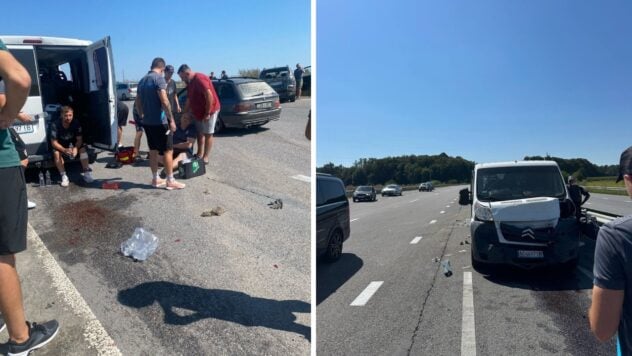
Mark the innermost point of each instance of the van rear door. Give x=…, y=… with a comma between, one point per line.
x=101, y=129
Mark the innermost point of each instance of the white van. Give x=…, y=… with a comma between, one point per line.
x=521, y=215
x=72, y=72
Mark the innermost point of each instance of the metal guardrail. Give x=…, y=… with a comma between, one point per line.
x=601, y=217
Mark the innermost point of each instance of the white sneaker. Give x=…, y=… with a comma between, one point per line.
x=64, y=181
x=31, y=205
x=87, y=176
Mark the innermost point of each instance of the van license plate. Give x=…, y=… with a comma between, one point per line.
x=23, y=129
x=530, y=254
x=266, y=105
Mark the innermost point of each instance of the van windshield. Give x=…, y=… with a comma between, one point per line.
x=510, y=183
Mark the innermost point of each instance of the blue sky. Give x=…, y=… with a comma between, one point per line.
x=487, y=80
x=207, y=35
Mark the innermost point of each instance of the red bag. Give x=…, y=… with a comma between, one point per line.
x=125, y=155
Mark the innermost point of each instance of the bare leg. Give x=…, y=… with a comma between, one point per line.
x=59, y=161
x=200, y=145
x=208, y=144
x=153, y=162
x=120, y=136
x=168, y=157
x=11, y=300
x=139, y=135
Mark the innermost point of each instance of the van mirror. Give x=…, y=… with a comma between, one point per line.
x=465, y=197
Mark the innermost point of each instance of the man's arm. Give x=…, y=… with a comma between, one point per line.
x=139, y=104
x=605, y=312
x=18, y=83
x=164, y=100
x=185, y=145
x=209, y=100
x=56, y=145
x=586, y=195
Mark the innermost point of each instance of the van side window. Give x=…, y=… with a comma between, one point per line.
x=332, y=191
x=27, y=58
x=100, y=59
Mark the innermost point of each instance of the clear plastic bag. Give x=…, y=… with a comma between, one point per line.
x=141, y=245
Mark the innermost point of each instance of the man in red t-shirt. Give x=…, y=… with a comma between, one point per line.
x=203, y=104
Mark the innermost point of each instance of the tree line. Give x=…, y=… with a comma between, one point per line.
x=414, y=169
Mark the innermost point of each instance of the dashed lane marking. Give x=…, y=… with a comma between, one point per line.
x=302, y=178
x=432, y=222
x=442, y=212
x=468, y=333
x=412, y=201
x=416, y=240
x=354, y=220
x=366, y=294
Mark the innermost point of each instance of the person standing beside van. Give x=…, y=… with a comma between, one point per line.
x=576, y=192
x=67, y=141
x=611, y=307
x=298, y=75
x=172, y=91
x=23, y=335
x=155, y=112
x=122, y=112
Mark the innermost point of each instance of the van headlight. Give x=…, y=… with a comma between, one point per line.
x=483, y=213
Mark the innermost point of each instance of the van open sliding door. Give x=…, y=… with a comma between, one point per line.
x=101, y=128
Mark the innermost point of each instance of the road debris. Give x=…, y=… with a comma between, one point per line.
x=141, y=245
x=216, y=211
x=277, y=204
x=447, y=269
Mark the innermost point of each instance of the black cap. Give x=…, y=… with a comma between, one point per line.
x=625, y=163
x=169, y=68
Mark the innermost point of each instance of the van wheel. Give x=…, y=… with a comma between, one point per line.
x=334, y=248
x=219, y=125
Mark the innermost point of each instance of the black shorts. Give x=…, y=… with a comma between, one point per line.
x=20, y=146
x=13, y=211
x=157, y=140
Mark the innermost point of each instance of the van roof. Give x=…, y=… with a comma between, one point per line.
x=39, y=40
x=515, y=164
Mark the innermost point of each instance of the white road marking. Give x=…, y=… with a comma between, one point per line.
x=447, y=206
x=354, y=220
x=442, y=212
x=302, y=178
x=462, y=251
x=416, y=240
x=588, y=203
x=93, y=333
x=468, y=334
x=412, y=201
x=432, y=222
x=367, y=293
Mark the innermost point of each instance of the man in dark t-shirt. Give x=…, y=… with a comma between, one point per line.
x=66, y=139
x=611, y=307
x=183, y=140
x=576, y=193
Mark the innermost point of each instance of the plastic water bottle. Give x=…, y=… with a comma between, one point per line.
x=42, y=182
x=447, y=269
x=141, y=245
x=48, y=180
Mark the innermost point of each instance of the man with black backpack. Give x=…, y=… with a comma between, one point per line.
x=576, y=192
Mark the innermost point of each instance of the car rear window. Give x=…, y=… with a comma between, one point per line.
x=330, y=191
x=271, y=74
x=255, y=89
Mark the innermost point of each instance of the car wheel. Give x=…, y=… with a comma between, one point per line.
x=219, y=125
x=334, y=248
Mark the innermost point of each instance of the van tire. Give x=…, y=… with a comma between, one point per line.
x=219, y=125
x=334, y=246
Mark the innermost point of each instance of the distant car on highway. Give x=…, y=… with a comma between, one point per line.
x=426, y=187
x=364, y=193
x=392, y=189
x=333, y=225
x=126, y=91
x=282, y=80
x=245, y=102
x=521, y=215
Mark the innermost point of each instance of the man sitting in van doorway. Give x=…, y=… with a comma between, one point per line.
x=67, y=142
x=576, y=192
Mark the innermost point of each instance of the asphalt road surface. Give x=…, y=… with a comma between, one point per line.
x=615, y=204
x=233, y=284
x=388, y=296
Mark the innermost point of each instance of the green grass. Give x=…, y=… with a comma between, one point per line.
x=597, y=185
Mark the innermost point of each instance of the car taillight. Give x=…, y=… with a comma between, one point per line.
x=277, y=104
x=243, y=107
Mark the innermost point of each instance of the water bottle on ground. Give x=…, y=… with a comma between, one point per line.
x=48, y=180
x=42, y=182
x=447, y=269
x=141, y=245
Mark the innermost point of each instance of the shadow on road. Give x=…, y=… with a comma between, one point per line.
x=550, y=278
x=331, y=276
x=220, y=304
x=236, y=132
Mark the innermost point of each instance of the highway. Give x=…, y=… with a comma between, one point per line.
x=388, y=295
x=615, y=204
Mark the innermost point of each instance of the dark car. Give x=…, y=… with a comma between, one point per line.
x=392, y=190
x=282, y=80
x=245, y=102
x=426, y=187
x=332, y=216
x=307, y=81
x=364, y=193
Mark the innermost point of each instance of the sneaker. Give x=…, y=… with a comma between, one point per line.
x=173, y=184
x=87, y=176
x=2, y=324
x=157, y=183
x=31, y=205
x=64, y=181
x=39, y=335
